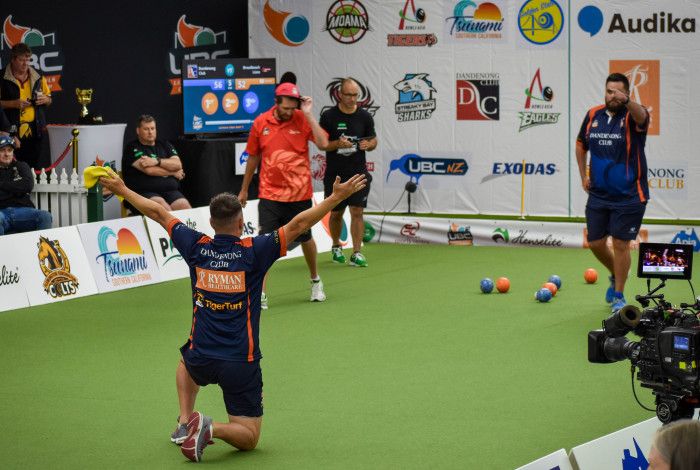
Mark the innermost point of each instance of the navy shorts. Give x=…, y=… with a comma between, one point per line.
x=274, y=214
x=359, y=199
x=169, y=196
x=619, y=221
x=240, y=382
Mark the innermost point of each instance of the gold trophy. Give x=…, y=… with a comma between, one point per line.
x=84, y=97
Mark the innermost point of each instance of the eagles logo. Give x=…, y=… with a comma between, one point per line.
x=364, y=101
x=55, y=265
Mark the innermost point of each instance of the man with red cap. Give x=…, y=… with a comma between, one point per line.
x=279, y=144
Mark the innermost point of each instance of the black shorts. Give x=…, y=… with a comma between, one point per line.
x=169, y=196
x=274, y=214
x=621, y=222
x=240, y=382
x=359, y=199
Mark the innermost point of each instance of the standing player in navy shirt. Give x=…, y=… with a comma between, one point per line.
x=223, y=346
x=614, y=134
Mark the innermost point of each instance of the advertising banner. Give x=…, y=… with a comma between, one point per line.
x=13, y=292
x=119, y=253
x=53, y=265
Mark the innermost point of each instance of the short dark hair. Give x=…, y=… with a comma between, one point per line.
x=278, y=99
x=224, y=208
x=618, y=77
x=144, y=118
x=20, y=49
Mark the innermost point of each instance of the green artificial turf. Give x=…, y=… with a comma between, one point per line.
x=406, y=365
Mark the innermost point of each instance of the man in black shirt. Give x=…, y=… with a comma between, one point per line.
x=350, y=133
x=152, y=168
x=17, y=213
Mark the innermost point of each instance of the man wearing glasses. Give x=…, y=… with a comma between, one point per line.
x=350, y=133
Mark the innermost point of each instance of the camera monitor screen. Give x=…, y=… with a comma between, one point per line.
x=665, y=260
x=226, y=95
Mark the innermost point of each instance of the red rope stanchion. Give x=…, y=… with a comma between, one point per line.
x=58, y=160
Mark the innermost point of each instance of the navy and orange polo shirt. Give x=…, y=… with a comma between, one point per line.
x=226, y=273
x=618, y=165
x=283, y=146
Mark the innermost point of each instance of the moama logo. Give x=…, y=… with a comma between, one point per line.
x=364, y=100
x=538, y=105
x=644, y=77
x=347, y=21
x=287, y=28
x=54, y=264
x=193, y=42
x=540, y=21
x=590, y=20
x=687, y=237
x=415, y=166
x=46, y=56
x=416, y=100
x=471, y=20
x=122, y=256
x=478, y=96
x=411, y=20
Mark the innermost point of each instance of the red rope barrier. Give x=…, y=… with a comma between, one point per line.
x=58, y=160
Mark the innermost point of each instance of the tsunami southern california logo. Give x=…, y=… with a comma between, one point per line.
x=347, y=21
x=122, y=257
x=287, y=28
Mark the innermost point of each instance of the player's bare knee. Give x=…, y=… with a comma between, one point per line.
x=356, y=212
x=620, y=245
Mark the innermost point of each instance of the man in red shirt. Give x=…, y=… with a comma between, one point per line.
x=279, y=143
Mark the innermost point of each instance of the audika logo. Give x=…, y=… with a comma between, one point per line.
x=122, y=256
x=287, y=28
x=540, y=21
x=416, y=100
x=687, y=237
x=590, y=20
x=364, y=100
x=538, y=105
x=415, y=166
x=411, y=20
x=46, y=56
x=193, y=42
x=478, y=96
x=644, y=77
x=347, y=21
x=469, y=20
x=55, y=265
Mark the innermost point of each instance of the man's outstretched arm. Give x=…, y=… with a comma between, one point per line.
x=304, y=220
x=150, y=209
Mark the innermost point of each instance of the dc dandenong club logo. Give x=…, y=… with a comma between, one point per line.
x=416, y=100
x=478, y=96
x=347, y=21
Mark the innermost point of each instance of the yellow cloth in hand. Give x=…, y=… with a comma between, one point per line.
x=92, y=174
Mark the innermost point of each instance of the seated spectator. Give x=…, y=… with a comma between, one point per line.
x=676, y=446
x=17, y=213
x=152, y=168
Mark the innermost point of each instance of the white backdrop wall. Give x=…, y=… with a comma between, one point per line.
x=542, y=61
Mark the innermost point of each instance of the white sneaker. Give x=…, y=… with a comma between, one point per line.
x=317, y=294
x=263, y=301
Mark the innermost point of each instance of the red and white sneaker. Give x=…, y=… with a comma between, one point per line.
x=199, y=432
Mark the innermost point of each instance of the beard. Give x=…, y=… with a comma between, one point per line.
x=614, y=106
